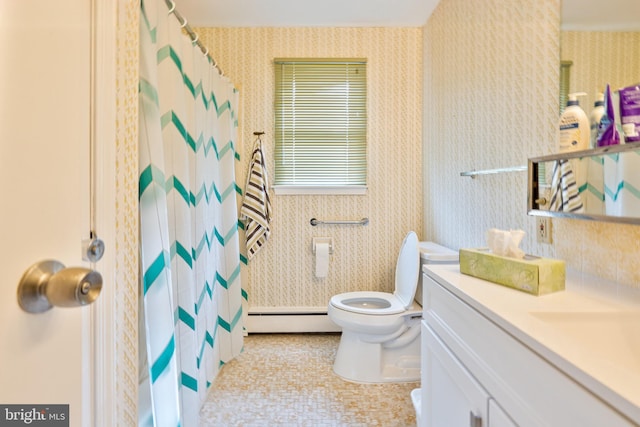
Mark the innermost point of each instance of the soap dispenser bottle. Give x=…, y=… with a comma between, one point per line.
x=594, y=119
x=574, y=126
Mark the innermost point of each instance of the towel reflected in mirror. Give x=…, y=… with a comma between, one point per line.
x=565, y=195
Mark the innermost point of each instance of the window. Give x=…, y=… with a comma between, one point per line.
x=565, y=83
x=321, y=123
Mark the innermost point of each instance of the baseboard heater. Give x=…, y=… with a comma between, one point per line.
x=289, y=320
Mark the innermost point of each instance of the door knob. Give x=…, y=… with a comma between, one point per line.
x=49, y=284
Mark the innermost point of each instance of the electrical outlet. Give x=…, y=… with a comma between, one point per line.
x=543, y=229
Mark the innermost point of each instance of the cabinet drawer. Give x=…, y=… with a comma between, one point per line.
x=528, y=388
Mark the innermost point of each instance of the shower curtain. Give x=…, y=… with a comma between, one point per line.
x=191, y=297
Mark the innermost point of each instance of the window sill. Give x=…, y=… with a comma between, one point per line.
x=290, y=190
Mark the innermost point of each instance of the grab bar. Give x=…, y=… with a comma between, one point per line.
x=363, y=221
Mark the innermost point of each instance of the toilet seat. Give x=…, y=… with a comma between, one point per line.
x=384, y=303
x=364, y=302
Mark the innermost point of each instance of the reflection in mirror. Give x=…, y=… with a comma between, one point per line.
x=601, y=41
x=599, y=45
x=593, y=184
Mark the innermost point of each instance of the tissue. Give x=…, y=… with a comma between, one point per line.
x=505, y=243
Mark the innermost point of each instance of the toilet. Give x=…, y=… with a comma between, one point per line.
x=380, y=340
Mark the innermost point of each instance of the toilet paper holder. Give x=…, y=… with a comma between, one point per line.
x=320, y=240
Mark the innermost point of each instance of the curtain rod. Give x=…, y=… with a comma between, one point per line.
x=192, y=34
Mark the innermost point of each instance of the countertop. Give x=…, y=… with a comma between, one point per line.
x=590, y=331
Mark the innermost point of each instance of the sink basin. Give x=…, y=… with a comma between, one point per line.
x=611, y=335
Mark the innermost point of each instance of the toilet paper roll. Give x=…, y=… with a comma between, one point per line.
x=322, y=259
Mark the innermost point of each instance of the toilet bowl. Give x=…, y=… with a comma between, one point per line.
x=380, y=330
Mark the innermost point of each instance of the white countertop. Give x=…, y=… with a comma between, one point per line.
x=590, y=331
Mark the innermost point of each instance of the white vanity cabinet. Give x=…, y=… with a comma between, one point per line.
x=475, y=373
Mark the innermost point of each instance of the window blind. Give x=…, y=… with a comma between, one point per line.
x=321, y=122
x=565, y=83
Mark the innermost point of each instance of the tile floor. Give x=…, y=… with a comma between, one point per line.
x=287, y=380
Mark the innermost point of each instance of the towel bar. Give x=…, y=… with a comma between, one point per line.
x=474, y=173
x=363, y=221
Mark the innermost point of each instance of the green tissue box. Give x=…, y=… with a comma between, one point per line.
x=534, y=275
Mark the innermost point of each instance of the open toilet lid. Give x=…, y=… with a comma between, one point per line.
x=407, y=270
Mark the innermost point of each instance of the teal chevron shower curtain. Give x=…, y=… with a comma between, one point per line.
x=191, y=297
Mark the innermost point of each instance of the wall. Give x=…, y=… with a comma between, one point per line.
x=491, y=100
x=282, y=273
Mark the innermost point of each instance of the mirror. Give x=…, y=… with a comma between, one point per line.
x=600, y=184
x=600, y=44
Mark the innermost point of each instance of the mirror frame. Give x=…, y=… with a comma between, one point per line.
x=534, y=201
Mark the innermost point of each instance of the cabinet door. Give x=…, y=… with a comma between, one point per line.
x=451, y=397
x=497, y=417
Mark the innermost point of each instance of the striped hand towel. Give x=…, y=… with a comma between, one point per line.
x=255, y=211
x=565, y=196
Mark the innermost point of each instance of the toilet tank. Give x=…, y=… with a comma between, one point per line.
x=433, y=253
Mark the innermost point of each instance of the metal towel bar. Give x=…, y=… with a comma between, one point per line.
x=474, y=173
x=363, y=221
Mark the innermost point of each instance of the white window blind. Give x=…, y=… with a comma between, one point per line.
x=321, y=123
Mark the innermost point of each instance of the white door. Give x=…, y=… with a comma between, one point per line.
x=44, y=191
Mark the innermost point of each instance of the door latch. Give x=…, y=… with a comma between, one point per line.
x=92, y=249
